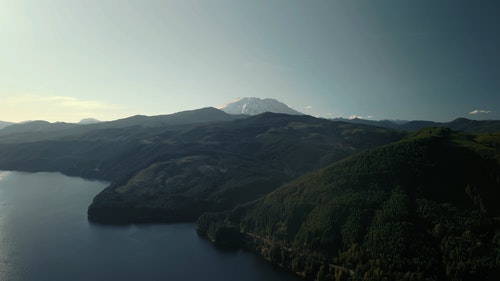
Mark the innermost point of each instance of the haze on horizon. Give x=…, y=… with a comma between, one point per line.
x=66, y=60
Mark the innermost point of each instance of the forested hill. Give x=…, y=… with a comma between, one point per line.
x=424, y=208
x=217, y=166
x=175, y=167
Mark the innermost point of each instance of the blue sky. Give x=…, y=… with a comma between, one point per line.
x=429, y=60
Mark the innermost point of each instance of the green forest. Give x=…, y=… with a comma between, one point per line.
x=423, y=208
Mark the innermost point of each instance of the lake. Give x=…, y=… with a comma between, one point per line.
x=45, y=235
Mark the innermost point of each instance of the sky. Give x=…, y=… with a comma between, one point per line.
x=65, y=60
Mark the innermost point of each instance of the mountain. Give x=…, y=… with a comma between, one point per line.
x=389, y=204
x=467, y=125
x=35, y=127
x=396, y=125
x=106, y=150
x=89, y=121
x=4, y=124
x=43, y=130
x=459, y=124
x=202, y=115
x=423, y=208
x=254, y=106
x=176, y=172
x=216, y=166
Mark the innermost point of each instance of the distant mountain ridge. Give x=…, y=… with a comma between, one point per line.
x=255, y=106
x=4, y=124
x=43, y=130
x=34, y=127
x=89, y=121
x=459, y=124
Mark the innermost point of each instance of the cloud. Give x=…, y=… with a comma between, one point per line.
x=479, y=111
x=308, y=107
x=3, y=174
x=61, y=102
x=360, y=117
x=80, y=104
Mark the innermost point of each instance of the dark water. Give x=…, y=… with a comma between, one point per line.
x=45, y=235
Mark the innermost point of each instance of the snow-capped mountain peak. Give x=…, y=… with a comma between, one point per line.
x=254, y=106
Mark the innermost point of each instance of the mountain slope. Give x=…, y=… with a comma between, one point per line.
x=425, y=208
x=173, y=168
x=106, y=150
x=255, y=106
x=217, y=166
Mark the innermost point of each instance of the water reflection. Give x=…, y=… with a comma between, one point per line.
x=45, y=235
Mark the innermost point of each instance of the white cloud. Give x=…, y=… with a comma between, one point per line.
x=60, y=102
x=80, y=104
x=308, y=107
x=360, y=117
x=3, y=174
x=479, y=111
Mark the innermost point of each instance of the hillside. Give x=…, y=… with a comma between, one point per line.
x=424, y=208
x=175, y=167
x=216, y=166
